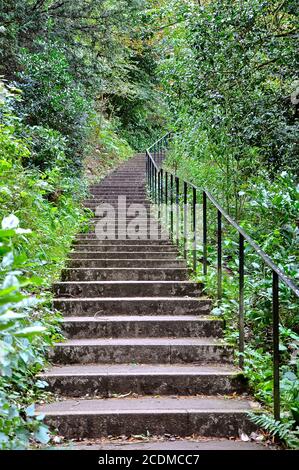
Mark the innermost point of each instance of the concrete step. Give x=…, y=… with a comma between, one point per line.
x=125, y=177
x=93, y=236
x=184, y=416
x=117, y=188
x=127, y=289
x=142, y=350
x=133, y=306
x=115, y=198
x=124, y=274
x=133, y=326
x=126, y=246
x=127, y=236
x=192, y=444
x=144, y=379
x=124, y=221
x=143, y=208
x=122, y=226
x=126, y=263
x=144, y=204
x=95, y=242
x=77, y=254
x=124, y=180
x=114, y=192
x=141, y=235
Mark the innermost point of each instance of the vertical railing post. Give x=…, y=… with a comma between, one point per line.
x=146, y=167
x=150, y=179
x=194, y=229
x=219, y=255
x=276, y=358
x=185, y=218
x=162, y=186
x=177, y=208
x=205, y=233
x=166, y=199
x=159, y=195
x=155, y=184
x=241, y=301
x=171, y=207
x=159, y=153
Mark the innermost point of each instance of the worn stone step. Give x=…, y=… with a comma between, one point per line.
x=129, y=210
x=131, y=222
x=123, y=254
x=133, y=326
x=95, y=242
x=122, y=182
x=104, y=380
x=126, y=263
x=127, y=289
x=136, y=247
x=125, y=177
x=115, y=203
x=183, y=416
x=126, y=233
x=124, y=274
x=117, y=200
x=114, y=192
x=142, y=350
x=127, y=219
x=192, y=444
x=133, y=306
x=92, y=235
x=118, y=188
x=137, y=197
x=127, y=236
x=140, y=199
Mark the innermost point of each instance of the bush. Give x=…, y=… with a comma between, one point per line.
x=53, y=99
x=48, y=204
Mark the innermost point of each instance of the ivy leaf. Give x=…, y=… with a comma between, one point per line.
x=10, y=281
x=30, y=410
x=7, y=260
x=30, y=330
x=42, y=434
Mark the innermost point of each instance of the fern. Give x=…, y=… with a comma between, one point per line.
x=286, y=431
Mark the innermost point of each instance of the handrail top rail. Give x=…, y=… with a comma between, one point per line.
x=159, y=140
x=155, y=143
x=153, y=161
x=266, y=258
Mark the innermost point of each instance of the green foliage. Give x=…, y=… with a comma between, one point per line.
x=268, y=204
x=47, y=204
x=53, y=99
x=109, y=149
x=228, y=72
x=79, y=84
x=48, y=148
x=23, y=342
x=284, y=430
x=73, y=60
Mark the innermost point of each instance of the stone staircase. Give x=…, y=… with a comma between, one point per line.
x=143, y=354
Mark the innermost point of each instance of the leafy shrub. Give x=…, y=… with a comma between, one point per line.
x=48, y=148
x=24, y=338
x=47, y=203
x=53, y=99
